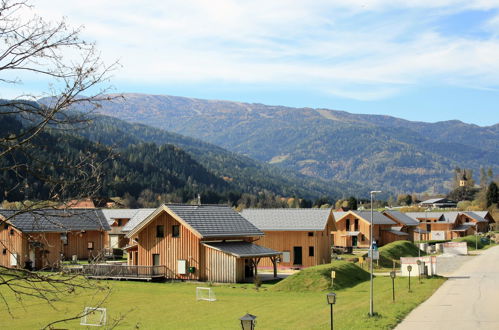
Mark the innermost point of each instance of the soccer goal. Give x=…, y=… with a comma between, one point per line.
x=205, y=294
x=93, y=316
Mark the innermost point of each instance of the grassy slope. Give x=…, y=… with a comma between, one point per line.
x=471, y=241
x=318, y=278
x=173, y=306
x=395, y=250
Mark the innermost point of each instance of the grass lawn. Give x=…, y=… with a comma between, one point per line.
x=173, y=306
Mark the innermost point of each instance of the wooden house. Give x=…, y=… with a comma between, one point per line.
x=39, y=239
x=406, y=228
x=198, y=242
x=450, y=225
x=353, y=229
x=302, y=235
x=118, y=220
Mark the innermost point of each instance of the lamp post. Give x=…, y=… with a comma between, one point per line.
x=476, y=237
x=392, y=275
x=419, y=271
x=371, y=252
x=331, y=300
x=409, y=268
x=248, y=322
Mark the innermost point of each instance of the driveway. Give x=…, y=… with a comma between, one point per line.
x=469, y=299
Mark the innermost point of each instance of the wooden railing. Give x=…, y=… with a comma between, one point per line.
x=124, y=271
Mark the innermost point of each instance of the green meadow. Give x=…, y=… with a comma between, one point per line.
x=285, y=305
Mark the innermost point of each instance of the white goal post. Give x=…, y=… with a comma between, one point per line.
x=93, y=316
x=203, y=293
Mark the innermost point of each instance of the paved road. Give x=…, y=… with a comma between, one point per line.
x=469, y=299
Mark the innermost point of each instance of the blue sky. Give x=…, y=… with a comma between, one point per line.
x=417, y=59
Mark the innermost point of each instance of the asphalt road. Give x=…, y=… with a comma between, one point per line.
x=469, y=299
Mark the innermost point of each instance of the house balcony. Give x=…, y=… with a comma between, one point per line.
x=126, y=272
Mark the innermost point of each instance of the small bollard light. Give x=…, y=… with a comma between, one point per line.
x=409, y=268
x=331, y=300
x=248, y=322
x=393, y=274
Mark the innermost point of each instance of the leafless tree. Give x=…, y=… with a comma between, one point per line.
x=32, y=48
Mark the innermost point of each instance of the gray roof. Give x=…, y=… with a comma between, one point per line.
x=139, y=216
x=477, y=216
x=438, y=201
x=112, y=214
x=397, y=232
x=54, y=220
x=402, y=218
x=215, y=220
x=242, y=249
x=432, y=215
x=339, y=214
x=378, y=218
x=288, y=219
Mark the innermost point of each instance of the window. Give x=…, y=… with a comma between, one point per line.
x=348, y=224
x=90, y=245
x=155, y=259
x=120, y=222
x=12, y=232
x=428, y=228
x=286, y=256
x=64, y=238
x=175, y=231
x=310, y=233
x=356, y=225
x=6, y=225
x=4, y=252
x=310, y=251
x=160, y=231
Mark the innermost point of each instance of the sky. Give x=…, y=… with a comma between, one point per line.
x=417, y=59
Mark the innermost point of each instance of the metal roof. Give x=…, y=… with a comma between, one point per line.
x=476, y=216
x=402, y=218
x=288, y=219
x=438, y=201
x=242, y=249
x=461, y=228
x=55, y=220
x=397, y=232
x=112, y=214
x=378, y=218
x=139, y=216
x=430, y=215
x=206, y=220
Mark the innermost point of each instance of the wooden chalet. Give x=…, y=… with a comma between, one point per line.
x=406, y=228
x=450, y=225
x=198, y=242
x=39, y=239
x=118, y=220
x=302, y=235
x=353, y=229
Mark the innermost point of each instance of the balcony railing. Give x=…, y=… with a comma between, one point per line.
x=124, y=271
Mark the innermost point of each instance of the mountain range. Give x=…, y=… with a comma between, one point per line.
x=374, y=151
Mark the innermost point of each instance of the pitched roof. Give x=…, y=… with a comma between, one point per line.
x=242, y=249
x=50, y=220
x=378, y=218
x=402, y=218
x=112, y=214
x=206, y=220
x=476, y=216
x=430, y=215
x=339, y=214
x=139, y=216
x=437, y=200
x=288, y=219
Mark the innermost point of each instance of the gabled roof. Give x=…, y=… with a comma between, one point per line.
x=431, y=215
x=288, y=219
x=476, y=216
x=402, y=218
x=437, y=201
x=339, y=214
x=50, y=220
x=205, y=221
x=242, y=249
x=139, y=216
x=378, y=218
x=112, y=214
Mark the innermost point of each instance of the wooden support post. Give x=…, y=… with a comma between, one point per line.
x=274, y=263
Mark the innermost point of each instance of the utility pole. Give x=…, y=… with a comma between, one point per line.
x=371, y=250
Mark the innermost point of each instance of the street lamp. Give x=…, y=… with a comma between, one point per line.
x=331, y=300
x=248, y=322
x=371, y=241
x=393, y=274
x=409, y=268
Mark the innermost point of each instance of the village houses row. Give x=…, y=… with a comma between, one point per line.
x=214, y=242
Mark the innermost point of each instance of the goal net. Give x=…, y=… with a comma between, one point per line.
x=205, y=294
x=93, y=316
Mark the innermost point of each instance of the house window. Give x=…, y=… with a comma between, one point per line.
x=120, y=222
x=12, y=232
x=310, y=233
x=4, y=252
x=428, y=228
x=64, y=238
x=310, y=251
x=175, y=231
x=467, y=220
x=160, y=231
x=356, y=225
x=6, y=225
x=348, y=224
x=90, y=245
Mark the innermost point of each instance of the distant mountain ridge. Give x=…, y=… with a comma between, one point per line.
x=378, y=151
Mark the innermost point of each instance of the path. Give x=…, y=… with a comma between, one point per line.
x=469, y=299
